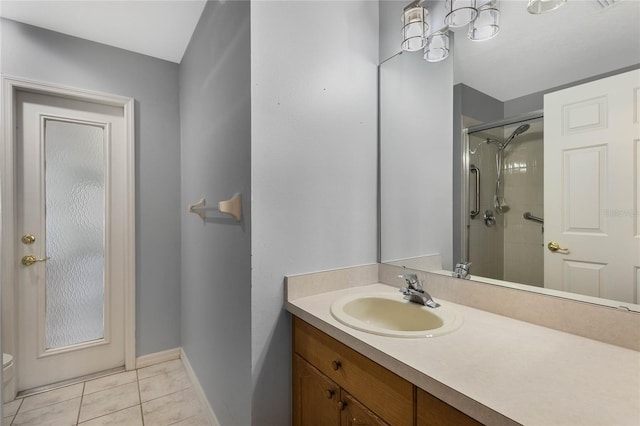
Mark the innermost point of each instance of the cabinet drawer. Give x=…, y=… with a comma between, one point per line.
x=383, y=392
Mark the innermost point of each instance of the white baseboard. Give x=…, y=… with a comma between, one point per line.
x=158, y=357
x=202, y=398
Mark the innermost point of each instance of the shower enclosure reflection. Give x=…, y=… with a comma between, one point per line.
x=501, y=243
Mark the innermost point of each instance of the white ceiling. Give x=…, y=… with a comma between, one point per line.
x=536, y=52
x=531, y=52
x=156, y=28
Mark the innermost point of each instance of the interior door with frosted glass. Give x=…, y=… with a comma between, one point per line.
x=70, y=292
x=592, y=188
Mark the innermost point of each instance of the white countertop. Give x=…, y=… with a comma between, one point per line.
x=494, y=366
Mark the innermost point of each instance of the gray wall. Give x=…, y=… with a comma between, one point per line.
x=535, y=101
x=314, y=114
x=42, y=55
x=215, y=118
x=415, y=166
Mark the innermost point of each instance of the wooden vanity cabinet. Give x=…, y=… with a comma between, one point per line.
x=434, y=412
x=335, y=385
x=318, y=401
x=367, y=390
x=315, y=397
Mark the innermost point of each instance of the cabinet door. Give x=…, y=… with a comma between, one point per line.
x=355, y=414
x=387, y=394
x=315, y=397
x=434, y=412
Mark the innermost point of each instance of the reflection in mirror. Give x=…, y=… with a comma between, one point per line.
x=415, y=99
x=500, y=85
x=507, y=183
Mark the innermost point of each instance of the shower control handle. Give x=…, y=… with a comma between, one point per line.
x=29, y=260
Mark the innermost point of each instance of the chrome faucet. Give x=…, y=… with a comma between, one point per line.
x=414, y=292
x=462, y=270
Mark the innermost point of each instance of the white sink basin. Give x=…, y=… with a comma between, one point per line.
x=388, y=314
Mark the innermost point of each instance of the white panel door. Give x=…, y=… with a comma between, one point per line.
x=591, y=184
x=71, y=199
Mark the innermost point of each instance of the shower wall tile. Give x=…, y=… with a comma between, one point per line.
x=524, y=178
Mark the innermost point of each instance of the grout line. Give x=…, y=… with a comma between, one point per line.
x=182, y=420
x=141, y=414
x=17, y=411
x=49, y=404
x=107, y=414
x=84, y=383
x=160, y=372
x=80, y=406
x=67, y=383
x=140, y=397
x=170, y=393
x=109, y=389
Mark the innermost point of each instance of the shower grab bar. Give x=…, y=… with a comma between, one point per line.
x=473, y=169
x=529, y=216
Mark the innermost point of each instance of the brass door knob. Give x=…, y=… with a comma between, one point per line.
x=29, y=260
x=554, y=247
x=336, y=365
x=329, y=393
x=28, y=239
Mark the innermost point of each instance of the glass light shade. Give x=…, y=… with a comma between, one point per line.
x=415, y=27
x=487, y=23
x=460, y=12
x=542, y=6
x=437, y=48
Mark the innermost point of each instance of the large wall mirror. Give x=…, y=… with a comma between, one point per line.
x=524, y=165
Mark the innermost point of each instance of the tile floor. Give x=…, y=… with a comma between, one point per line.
x=158, y=395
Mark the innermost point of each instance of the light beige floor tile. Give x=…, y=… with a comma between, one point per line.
x=109, y=401
x=193, y=421
x=170, y=409
x=60, y=414
x=164, y=384
x=52, y=397
x=6, y=421
x=108, y=382
x=156, y=369
x=128, y=417
x=11, y=408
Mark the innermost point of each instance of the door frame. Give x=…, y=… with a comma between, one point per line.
x=8, y=257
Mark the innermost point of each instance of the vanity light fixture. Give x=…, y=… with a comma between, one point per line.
x=542, y=6
x=414, y=27
x=460, y=12
x=487, y=23
x=437, y=48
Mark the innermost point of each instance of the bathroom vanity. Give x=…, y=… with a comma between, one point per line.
x=335, y=385
x=492, y=370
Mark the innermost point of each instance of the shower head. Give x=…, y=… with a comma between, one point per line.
x=517, y=132
x=521, y=129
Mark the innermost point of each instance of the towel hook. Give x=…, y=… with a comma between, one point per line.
x=232, y=206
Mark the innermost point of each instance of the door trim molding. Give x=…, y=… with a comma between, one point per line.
x=10, y=86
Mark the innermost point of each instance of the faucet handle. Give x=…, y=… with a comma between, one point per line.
x=462, y=270
x=412, y=281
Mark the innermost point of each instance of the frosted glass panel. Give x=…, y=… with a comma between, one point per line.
x=74, y=173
